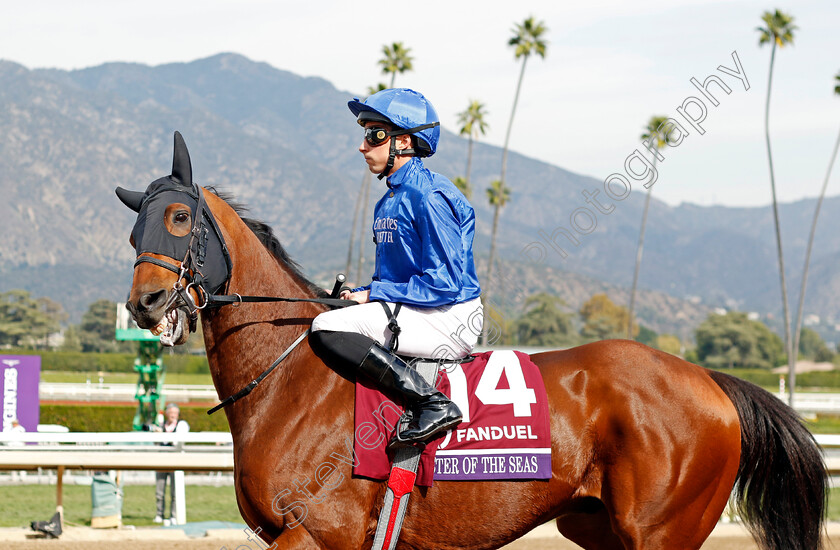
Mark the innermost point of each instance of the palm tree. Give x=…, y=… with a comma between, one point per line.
x=657, y=140
x=364, y=227
x=463, y=186
x=356, y=209
x=498, y=194
x=472, y=125
x=396, y=60
x=799, y=312
x=779, y=32
x=527, y=39
x=378, y=88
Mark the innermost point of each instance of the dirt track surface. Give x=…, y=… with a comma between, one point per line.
x=717, y=543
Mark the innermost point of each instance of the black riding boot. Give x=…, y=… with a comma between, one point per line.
x=432, y=411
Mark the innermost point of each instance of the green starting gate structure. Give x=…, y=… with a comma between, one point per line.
x=149, y=366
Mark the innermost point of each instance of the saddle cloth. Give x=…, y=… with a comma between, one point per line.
x=505, y=433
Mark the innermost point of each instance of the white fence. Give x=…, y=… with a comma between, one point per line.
x=194, y=451
x=94, y=391
x=179, y=452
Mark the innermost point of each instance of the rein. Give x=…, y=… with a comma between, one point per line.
x=253, y=384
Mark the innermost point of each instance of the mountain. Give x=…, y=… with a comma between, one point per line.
x=286, y=146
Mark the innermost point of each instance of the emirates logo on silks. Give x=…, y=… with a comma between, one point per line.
x=384, y=229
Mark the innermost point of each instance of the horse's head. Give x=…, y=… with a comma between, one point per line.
x=181, y=255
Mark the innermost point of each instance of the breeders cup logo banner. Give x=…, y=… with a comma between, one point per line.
x=19, y=377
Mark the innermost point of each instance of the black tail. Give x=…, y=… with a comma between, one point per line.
x=781, y=488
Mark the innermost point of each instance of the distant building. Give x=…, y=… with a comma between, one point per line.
x=811, y=320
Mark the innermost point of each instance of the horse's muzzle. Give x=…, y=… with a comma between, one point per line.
x=148, y=311
x=154, y=312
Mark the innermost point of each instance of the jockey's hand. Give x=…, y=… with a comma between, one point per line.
x=362, y=296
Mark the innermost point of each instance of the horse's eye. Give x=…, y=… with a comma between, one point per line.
x=176, y=218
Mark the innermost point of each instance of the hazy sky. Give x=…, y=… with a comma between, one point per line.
x=610, y=66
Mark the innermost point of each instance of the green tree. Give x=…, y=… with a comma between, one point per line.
x=669, y=343
x=733, y=340
x=52, y=315
x=97, y=329
x=647, y=336
x=472, y=125
x=800, y=309
x=603, y=319
x=526, y=40
x=396, y=59
x=23, y=319
x=545, y=323
x=463, y=186
x=657, y=139
x=378, y=88
x=813, y=347
x=72, y=342
x=778, y=31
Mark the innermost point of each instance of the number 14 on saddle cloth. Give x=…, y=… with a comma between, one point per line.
x=504, y=434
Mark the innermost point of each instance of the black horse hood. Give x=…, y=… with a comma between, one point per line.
x=151, y=236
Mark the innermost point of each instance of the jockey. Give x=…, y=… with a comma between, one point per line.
x=423, y=229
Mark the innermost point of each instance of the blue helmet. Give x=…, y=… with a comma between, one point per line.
x=404, y=109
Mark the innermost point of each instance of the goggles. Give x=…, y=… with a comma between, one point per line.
x=376, y=136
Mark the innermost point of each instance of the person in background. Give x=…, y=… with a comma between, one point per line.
x=17, y=428
x=172, y=423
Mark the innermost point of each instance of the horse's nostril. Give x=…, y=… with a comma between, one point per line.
x=151, y=300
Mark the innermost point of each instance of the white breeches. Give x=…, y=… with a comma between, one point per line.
x=445, y=332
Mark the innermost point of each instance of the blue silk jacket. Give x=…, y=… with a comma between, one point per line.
x=424, y=229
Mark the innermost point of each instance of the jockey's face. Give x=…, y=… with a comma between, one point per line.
x=376, y=156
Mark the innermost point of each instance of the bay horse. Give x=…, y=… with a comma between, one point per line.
x=645, y=447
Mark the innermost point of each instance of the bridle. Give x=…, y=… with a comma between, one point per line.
x=202, y=279
x=193, y=269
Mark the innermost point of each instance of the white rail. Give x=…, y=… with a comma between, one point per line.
x=179, y=452
x=52, y=391
x=117, y=437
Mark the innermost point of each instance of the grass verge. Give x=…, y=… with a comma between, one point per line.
x=37, y=502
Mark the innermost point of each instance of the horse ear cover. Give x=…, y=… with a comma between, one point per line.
x=132, y=199
x=181, y=166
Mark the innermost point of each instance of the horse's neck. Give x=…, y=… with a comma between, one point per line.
x=242, y=341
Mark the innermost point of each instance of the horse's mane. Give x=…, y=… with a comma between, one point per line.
x=266, y=236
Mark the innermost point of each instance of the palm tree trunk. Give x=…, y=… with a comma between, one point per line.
x=786, y=314
x=510, y=122
x=393, y=77
x=489, y=281
x=493, y=244
x=469, y=159
x=355, y=220
x=360, y=276
x=800, y=309
x=639, y=251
